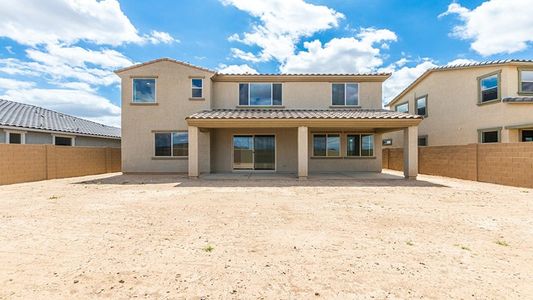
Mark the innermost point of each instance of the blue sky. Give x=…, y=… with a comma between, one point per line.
x=60, y=54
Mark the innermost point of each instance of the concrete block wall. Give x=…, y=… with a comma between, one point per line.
x=24, y=163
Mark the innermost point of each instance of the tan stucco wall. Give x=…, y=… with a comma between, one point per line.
x=312, y=95
x=287, y=151
x=454, y=115
x=173, y=90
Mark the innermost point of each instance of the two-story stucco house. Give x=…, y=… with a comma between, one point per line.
x=488, y=102
x=181, y=118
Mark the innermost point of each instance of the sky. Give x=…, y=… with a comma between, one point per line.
x=61, y=54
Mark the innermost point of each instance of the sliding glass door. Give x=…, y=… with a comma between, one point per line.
x=254, y=152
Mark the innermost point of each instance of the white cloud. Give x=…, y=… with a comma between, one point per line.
x=282, y=24
x=496, y=26
x=461, y=61
x=402, y=76
x=7, y=84
x=341, y=55
x=79, y=103
x=236, y=69
x=157, y=37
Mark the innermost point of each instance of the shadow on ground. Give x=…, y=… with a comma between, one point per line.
x=266, y=180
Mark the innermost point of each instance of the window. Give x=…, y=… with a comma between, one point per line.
x=15, y=137
x=422, y=141
x=527, y=135
x=404, y=107
x=526, y=81
x=489, y=136
x=387, y=142
x=169, y=144
x=345, y=94
x=327, y=145
x=360, y=145
x=197, y=87
x=421, y=106
x=63, y=141
x=260, y=94
x=489, y=88
x=143, y=90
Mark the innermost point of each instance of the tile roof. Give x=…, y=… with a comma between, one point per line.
x=33, y=117
x=518, y=99
x=301, y=114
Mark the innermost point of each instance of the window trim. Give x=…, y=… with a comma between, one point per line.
x=154, y=156
x=521, y=136
x=498, y=73
x=520, y=91
x=271, y=95
x=360, y=134
x=326, y=134
x=72, y=137
x=406, y=102
x=345, y=105
x=483, y=130
x=416, y=105
x=22, y=136
x=424, y=136
x=133, y=91
x=195, y=88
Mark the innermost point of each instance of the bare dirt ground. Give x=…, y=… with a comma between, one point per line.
x=114, y=236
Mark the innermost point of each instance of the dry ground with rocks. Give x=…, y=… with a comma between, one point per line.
x=168, y=237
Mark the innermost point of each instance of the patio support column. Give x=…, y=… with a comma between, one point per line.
x=194, y=170
x=303, y=149
x=410, y=152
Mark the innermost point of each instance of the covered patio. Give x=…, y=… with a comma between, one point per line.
x=295, y=135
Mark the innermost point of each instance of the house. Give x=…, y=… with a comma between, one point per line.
x=177, y=117
x=487, y=102
x=27, y=124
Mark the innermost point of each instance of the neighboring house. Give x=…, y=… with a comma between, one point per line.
x=181, y=118
x=27, y=124
x=488, y=102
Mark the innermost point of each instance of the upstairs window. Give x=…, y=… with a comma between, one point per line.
x=360, y=145
x=260, y=94
x=489, y=88
x=172, y=144
x=63, y=141
x=197, y=85
x=345, y=94
x=404, y=107
x=421, y=106
x=526, y=81
x=143, y=90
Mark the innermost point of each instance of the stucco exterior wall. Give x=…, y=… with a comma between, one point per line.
x=86, y=141
x=2, y=136
x=173, y=104
x=454, y=115
x=311, y=95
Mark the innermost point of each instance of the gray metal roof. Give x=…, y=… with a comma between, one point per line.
x=301, y=114
x=482, y=63
x=518, y=99
x=15, y=114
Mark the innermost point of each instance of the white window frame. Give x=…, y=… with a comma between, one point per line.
x=271, y=94
x=484, y=130
x=22, y=136
x=360, y=134
x=327, y=134
x=133, y=90
x=72, y=137
x=345, y=94
x=520, y=77
x=171, y=144
x=400, y=104
x=195, y=88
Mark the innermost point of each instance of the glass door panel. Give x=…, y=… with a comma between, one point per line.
x=243, y=152
x=264, y=152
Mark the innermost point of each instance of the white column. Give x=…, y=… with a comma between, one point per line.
x=410, y=152
x=193, y=152
x=303, y=149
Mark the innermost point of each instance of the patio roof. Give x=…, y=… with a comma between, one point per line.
x=263, y=117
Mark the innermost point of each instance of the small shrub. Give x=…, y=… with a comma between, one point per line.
x=410, y=243
x=209, y=248
x=502, y=243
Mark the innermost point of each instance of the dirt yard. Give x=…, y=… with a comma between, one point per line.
x=115, y=236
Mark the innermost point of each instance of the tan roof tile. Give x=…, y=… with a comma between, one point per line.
x=301, y=114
